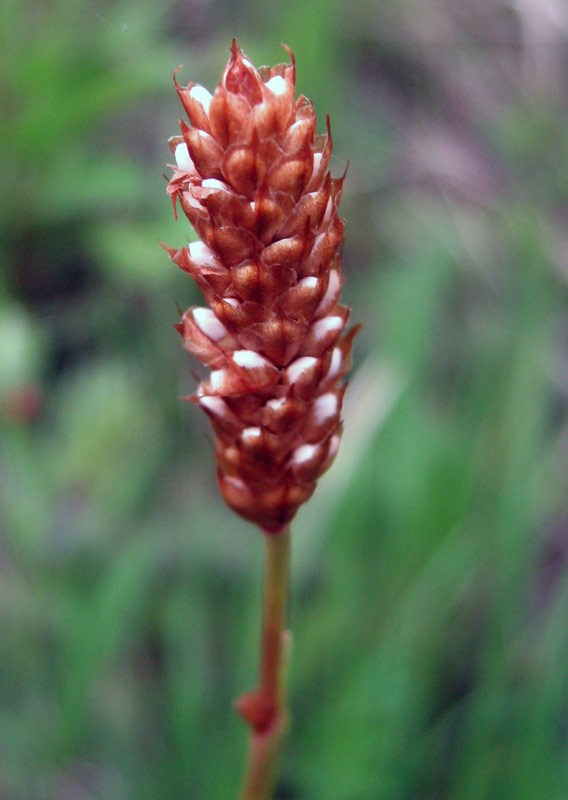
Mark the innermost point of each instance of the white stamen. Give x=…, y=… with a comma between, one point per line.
x=213, y=183
x=202, y=96
x=202, y=255
x=248, y=359
x=299, y=366
x=304, y=453
x=277, y=85
x=326, y=324
x=335, y=364
x=183, y=159
x=208, y=323
x=324, y=407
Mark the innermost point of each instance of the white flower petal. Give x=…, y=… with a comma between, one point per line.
x=214, y=404
x=304, y=453
x=326, y=324
x=202, y=255
x=248, y=359
x=214, y=183
x=251, y=434
x=183, y=159
x=208, y=323
x=202, y=96
x=299, y=366
x=277, y=85
x=335, y=363
x=325, y=407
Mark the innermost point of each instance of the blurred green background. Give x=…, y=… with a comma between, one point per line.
x=430, y=570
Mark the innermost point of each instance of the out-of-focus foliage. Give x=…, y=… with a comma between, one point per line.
x=430, y=590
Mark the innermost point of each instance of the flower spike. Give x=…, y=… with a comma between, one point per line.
x=252, y=177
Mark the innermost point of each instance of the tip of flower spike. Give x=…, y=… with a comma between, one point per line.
x=241, y=77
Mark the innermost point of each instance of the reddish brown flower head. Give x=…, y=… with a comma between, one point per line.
x=252, y=179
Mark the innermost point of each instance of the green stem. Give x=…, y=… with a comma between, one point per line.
x=265, y=709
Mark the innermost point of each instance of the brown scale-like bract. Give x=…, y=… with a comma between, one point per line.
x=252, y=178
